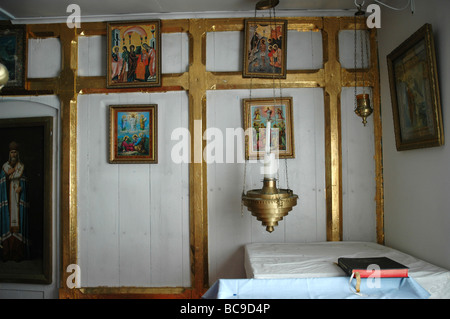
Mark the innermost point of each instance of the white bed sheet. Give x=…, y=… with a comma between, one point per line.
x=307, y=260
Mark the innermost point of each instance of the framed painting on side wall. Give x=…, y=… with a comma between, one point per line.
x=26, y=151
x=265, y=48
x=134, y=54
x=133, y=134
x=257, y=114
x=416, y=105
x=13, y=54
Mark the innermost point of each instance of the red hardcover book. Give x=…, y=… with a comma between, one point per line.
x=373, y=267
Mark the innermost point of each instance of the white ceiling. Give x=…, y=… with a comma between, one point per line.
x=25, y=10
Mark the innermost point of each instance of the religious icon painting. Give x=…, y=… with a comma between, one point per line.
x=133, y=134
x=134, y=54
x=26, y=155
x=257, y=115
x=415, y=95
x=13, y=54
x=265, y=48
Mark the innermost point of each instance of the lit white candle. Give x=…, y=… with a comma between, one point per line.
x=268, y=138
x=269, y=157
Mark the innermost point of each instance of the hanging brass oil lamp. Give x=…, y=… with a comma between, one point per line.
x=363, y=108
x=362, y=101
x=269, y=204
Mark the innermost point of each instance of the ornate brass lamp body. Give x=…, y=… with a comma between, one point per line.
x=269, y=205
x=363, y=108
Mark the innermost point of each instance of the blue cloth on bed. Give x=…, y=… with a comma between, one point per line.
x=316, y=288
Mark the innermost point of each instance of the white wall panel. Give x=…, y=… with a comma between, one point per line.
x=358, y=172
x=44, y=58
x=175, y=48
x=224, y=51
x=347, y=49
x=133, y=218
x=92, y=56
x=97, y=195
x=304, y=50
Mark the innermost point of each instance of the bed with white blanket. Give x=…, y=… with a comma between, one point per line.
x=316, y=260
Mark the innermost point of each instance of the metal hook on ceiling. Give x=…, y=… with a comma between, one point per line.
x=360, y=11
x=359, y=5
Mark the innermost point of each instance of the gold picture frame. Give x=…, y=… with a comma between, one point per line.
x=416, y=105
x=133, y=54
x=133, y=131
x=265, y=48
x=26, y=235
x=256, y=114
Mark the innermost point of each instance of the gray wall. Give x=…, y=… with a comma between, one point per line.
x=417, y=201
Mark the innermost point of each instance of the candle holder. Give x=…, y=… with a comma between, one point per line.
x=269, y=204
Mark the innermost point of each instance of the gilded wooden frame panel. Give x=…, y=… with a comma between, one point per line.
x=196, y=81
